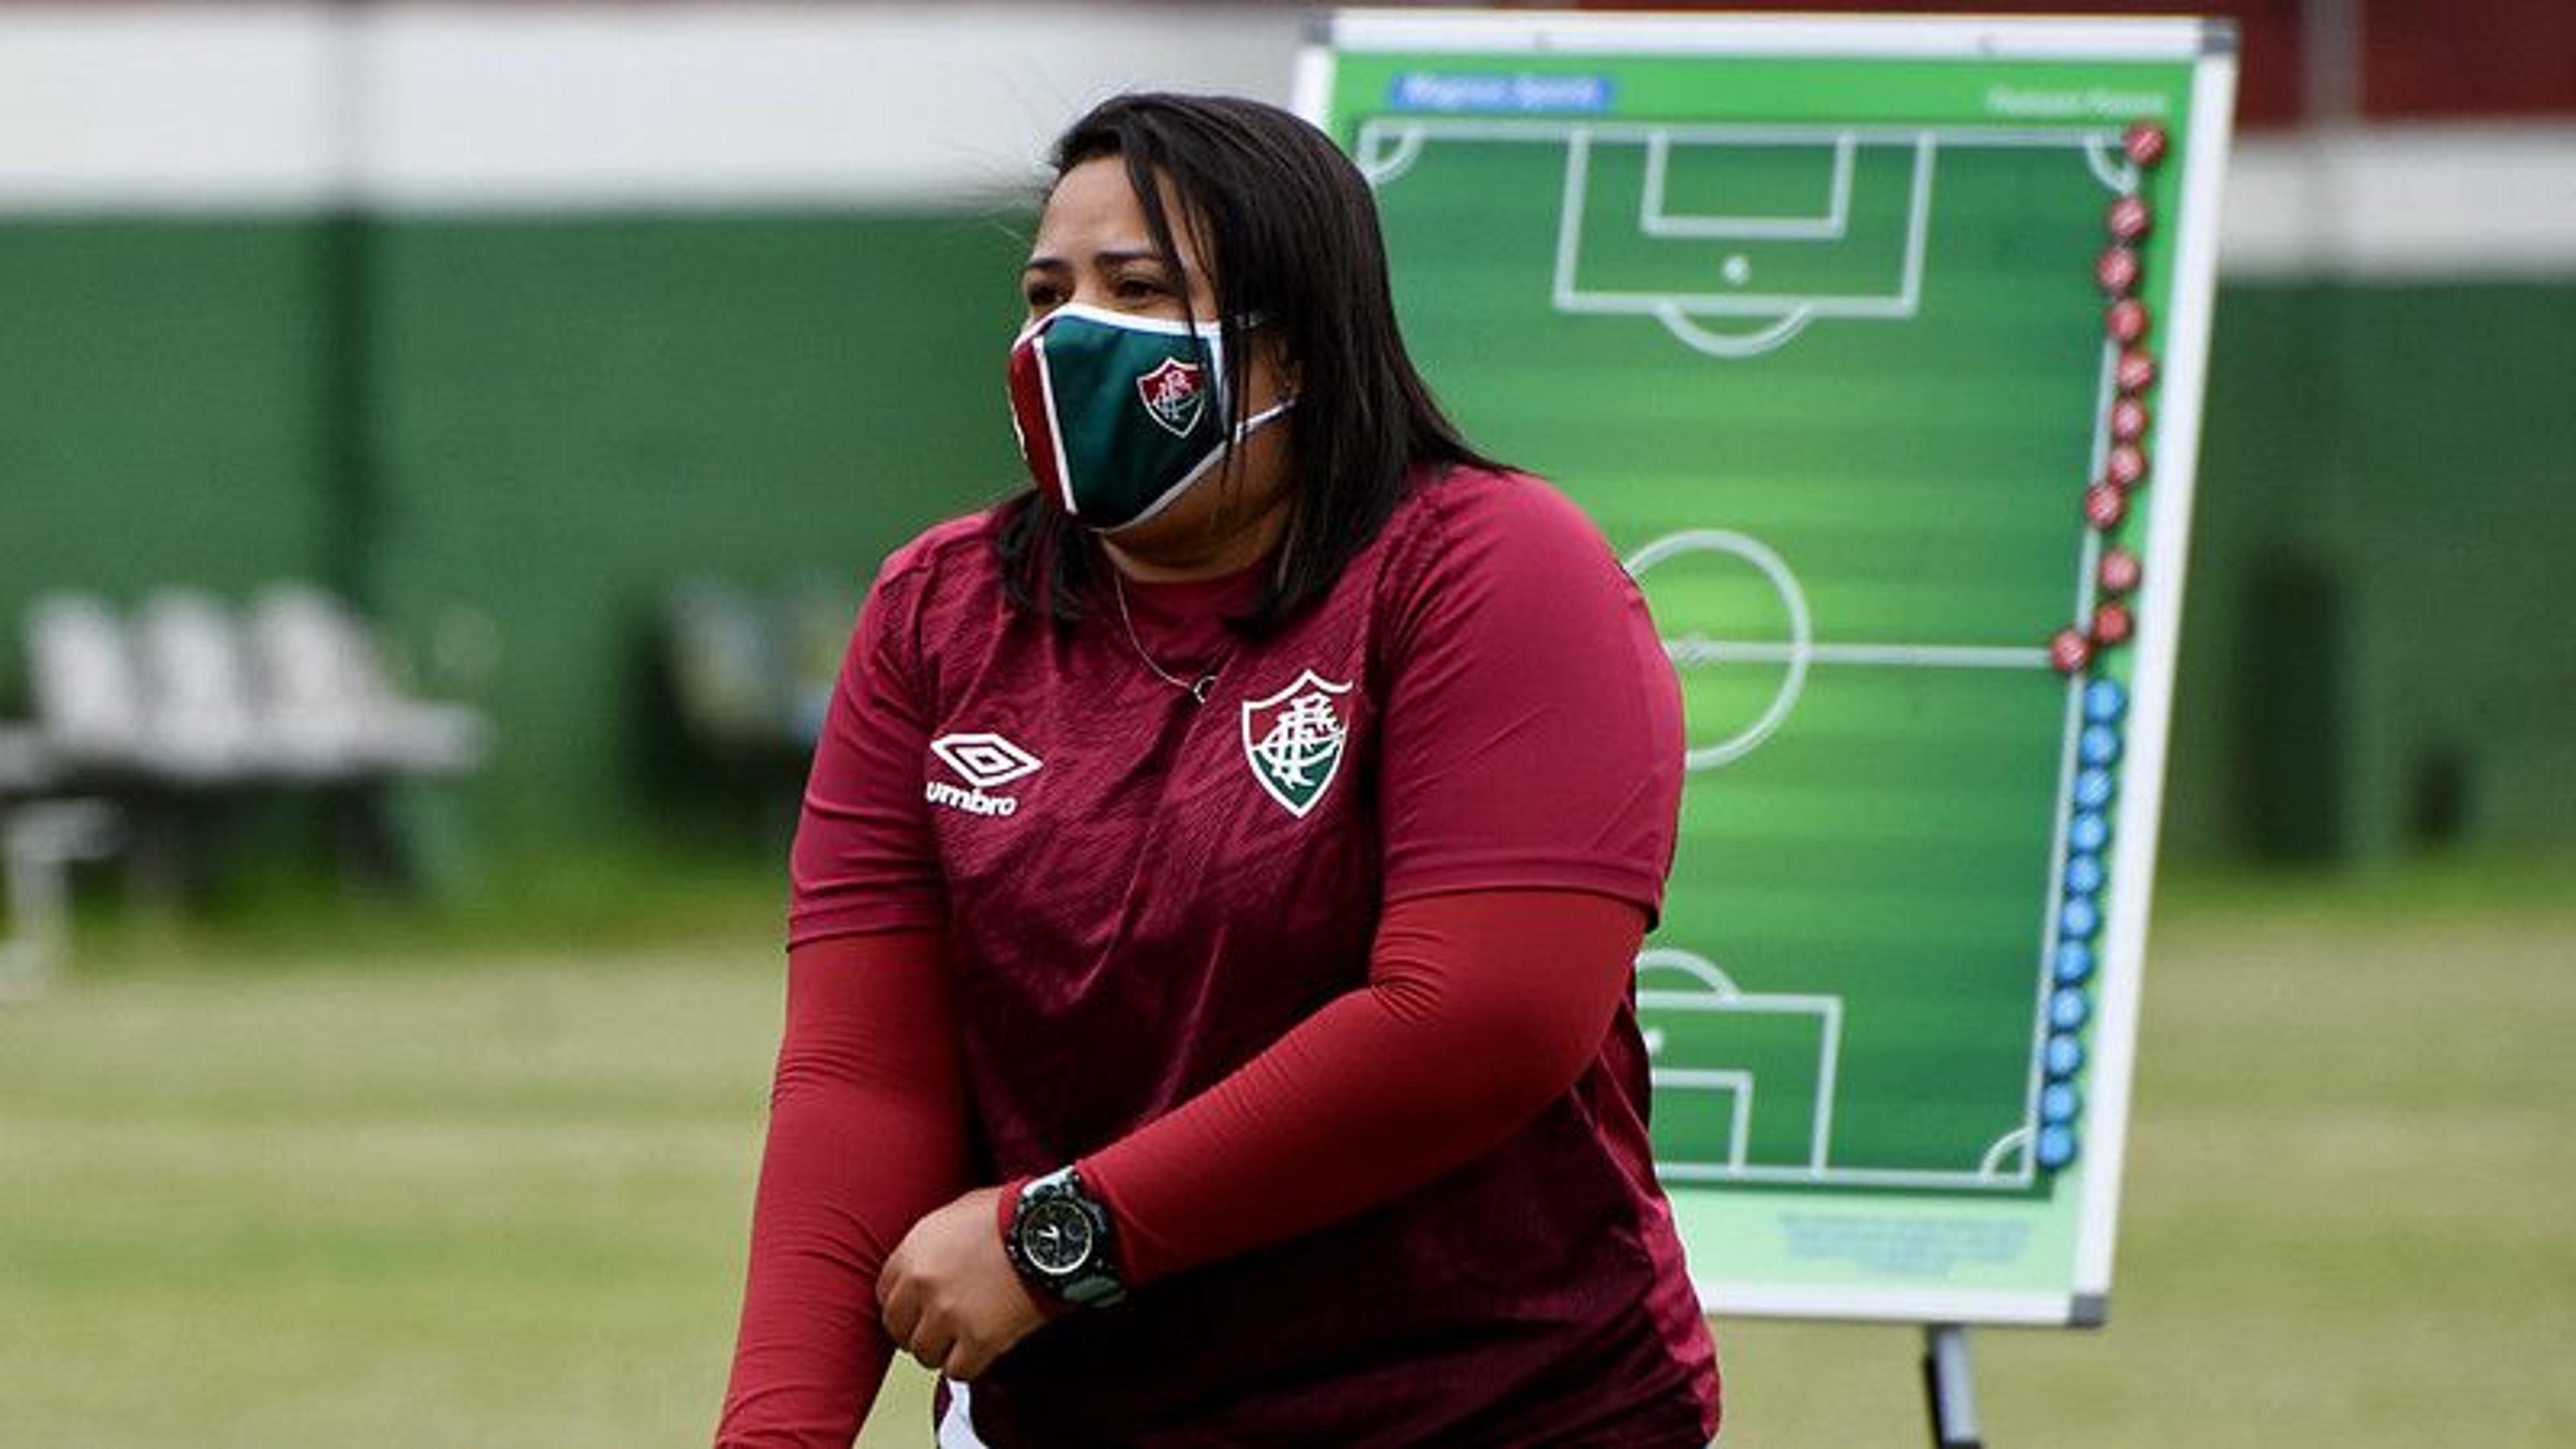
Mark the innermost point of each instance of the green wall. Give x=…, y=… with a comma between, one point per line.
x=512, y=435
x=159, y=407
x=2372, y=660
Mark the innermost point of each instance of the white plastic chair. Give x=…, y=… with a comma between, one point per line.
x=329, y=708
x=88, y=700
x=313, y=695
x=201, y=726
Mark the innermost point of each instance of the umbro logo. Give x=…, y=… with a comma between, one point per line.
x=983, y=760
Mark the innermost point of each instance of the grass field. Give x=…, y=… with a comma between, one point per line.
x=388, y=1179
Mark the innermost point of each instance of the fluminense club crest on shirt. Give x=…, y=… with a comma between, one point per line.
x=1173, y=395
x=1294, y=740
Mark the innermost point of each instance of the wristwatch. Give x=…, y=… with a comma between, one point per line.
x=1060, y=1241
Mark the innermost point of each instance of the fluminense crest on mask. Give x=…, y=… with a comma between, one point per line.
x=1174, y=393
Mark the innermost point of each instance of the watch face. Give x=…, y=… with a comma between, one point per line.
x=1056, y=1237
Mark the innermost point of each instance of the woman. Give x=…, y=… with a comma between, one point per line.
x=1208, y=986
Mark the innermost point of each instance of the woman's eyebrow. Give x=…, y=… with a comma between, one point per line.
x=1112, y=257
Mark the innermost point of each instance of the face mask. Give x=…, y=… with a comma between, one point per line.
x=1119, y=415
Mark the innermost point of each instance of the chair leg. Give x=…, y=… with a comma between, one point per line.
x=38, y=843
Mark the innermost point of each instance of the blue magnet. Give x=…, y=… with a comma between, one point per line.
x=2105, y=701
x=2098, y=745
x=2078, y=919
x=2090, y=830
x=2059, y=1102
x=2083, y=874
x=2067, y=1008
x=2063, y=1057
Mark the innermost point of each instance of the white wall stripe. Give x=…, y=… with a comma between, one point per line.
x=582, y=106
x=164, y=109
x=573, y=107
x=717, y=106
x=2403, y=202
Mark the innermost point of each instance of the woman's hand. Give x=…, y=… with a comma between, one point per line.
x=948, y=1295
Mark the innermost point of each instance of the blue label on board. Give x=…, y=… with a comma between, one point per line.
x=1488, y=91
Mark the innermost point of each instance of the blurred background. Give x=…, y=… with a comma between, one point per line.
x=441, y=447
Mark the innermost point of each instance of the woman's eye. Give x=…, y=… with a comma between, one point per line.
x=1042, y=296
x=1140, y=288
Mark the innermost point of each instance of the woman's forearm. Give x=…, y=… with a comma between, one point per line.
x=866, y=1134
x=1481, y=1008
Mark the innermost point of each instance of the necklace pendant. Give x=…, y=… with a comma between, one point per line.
x=1199, y=692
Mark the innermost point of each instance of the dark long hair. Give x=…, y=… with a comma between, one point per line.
x=1287, y=227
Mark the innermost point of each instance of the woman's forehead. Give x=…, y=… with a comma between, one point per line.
x=1093, y=209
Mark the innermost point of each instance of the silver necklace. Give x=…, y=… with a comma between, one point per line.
x=1196, y=689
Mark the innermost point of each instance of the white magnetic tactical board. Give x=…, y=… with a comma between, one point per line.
x=1876, y=346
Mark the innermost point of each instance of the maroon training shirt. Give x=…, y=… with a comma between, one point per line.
x=1141, y=892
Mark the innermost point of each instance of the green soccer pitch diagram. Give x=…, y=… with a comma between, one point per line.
x=1875, y=348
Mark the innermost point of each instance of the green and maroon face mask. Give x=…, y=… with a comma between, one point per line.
x=1119, y=415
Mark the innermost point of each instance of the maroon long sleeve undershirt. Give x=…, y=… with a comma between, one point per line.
x=1480, y=1008
x=867, y=1132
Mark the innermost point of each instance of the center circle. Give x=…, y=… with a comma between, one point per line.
x=1794, y=655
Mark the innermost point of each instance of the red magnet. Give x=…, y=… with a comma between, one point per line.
x=2069, y=651
x=2116, y=270
x=2118, y=571
x=2145, y=143
x=2128, y=420
x=2126, y=467
x=2126, y=320
x=2105, y=506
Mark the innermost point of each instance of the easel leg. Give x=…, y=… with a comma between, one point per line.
x=1946, y=1387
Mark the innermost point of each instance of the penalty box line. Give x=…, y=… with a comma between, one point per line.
x=1386, y=147
x=1679, y=312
